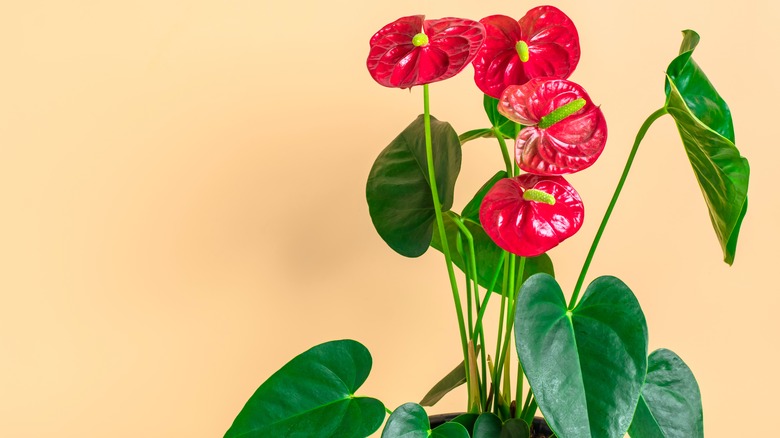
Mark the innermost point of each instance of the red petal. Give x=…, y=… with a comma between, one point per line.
x=568, y=146
x=529, y=228
x=553, y=45
x=394, y=61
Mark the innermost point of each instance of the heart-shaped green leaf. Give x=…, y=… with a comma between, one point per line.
x=515, y=428
x=670, y=406
x=490, y=426
x=398, y=190
x=487, y=426
x=313, y=395
x=704, y=121
x=586, y=366
x=410, y=421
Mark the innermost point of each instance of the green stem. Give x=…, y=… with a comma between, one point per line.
x=471, y=268
x=504, y=151
x=440, y=224
x=518, y=390
x=639, y=136
x=510, y=317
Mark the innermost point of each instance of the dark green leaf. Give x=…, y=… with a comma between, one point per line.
x=475, y=134
x=490, y=426
x=704, y=121
x=313, y=395
x=670, y=406
x=507, y=127
x=515, y=428
x=455, y=378
x=471, y=210
x=585, y=367
x=450, y=430
x=410, y=421
x=398, y=190
x=487, y=426
x=467, y=420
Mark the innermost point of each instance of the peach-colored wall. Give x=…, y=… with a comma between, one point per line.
x=182, y=188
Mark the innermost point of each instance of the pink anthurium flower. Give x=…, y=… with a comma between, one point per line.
x=564, y=131
x=413, y=51
x=544, y=43
x=529, y=214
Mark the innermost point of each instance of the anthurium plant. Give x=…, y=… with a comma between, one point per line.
x=585, y=358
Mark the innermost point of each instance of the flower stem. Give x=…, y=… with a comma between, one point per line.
x=442, y=233
x=639, y=136
x=504, y=151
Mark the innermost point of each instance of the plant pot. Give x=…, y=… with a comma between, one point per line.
x=539, y=428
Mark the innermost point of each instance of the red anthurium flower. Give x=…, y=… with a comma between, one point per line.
x=544, y=43
x=530, y=214
x=412, y=51
x=564, y=133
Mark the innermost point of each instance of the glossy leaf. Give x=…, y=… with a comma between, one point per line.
x=670, y=406
x=551, y=45
x=585, y=367
x=528, y=226
x=560, y=137
x=398, y=190
x=489, y=425
x=467, y=420
x=509, y=128
x=313, y=395
x=475, y=134
x=452, y=380
x=471, y=210
x=704, y=121
x=399, y=59
x=410, y=421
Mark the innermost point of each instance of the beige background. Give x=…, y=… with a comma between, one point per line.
x=183, y=211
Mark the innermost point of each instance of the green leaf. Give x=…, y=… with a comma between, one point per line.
x=410, y=421
x=398, y=190
x=704, y=121
x=313, y=395
x=490, y=426
x=507, y=127
x=487, y=426
x=471, y=210
x=475, y=134
x=515, y=428
x=585, y=367
x=452, y=380
x=670, y=405
x=467, y=420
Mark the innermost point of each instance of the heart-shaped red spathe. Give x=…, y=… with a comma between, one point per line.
x=568, y=146
x=529, y=228
x=553, y=49
x=395, y=61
